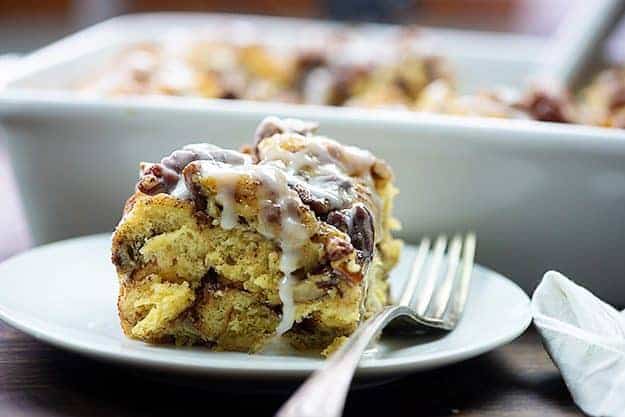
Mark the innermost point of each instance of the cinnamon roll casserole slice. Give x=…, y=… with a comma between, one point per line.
x=289, y=237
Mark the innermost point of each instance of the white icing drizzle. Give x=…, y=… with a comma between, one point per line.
x=181, y=191
x=317, y=154
x=323, y=171
x=291, y=234
x=288, y=264
x=225, y=196
x=227, y=177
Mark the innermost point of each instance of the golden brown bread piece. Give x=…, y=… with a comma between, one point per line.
x=228, y=249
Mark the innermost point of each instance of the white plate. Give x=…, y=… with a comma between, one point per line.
x=65, y=294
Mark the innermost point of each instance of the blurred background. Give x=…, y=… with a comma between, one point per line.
x=28, y=24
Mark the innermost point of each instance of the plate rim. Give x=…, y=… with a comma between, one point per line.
x=49, y=333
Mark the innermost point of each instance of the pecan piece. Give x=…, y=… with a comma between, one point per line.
x=362, y=231
x=272, y=214
x=156, y=178
x=340, y=220
x=357, y=222
x=320, y=206
x=190, y=173
x=338, y=249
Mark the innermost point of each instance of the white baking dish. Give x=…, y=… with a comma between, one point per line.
x=539, y=195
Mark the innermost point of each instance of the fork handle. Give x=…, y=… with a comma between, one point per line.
x=324, y=393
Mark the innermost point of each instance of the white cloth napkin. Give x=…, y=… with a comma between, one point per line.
x=585, y=337
x=8, y=66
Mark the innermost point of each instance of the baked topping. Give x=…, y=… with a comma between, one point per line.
x=335, y=70
x=338, y=69
x=166, y=177
x=322, y=173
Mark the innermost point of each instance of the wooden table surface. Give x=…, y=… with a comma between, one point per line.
x=37, y=380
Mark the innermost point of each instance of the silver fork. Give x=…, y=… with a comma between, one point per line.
x=438, y=305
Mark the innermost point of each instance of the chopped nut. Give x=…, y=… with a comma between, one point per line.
x=337, y=249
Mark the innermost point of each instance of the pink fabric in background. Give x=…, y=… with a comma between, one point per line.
x=14, y=235
x=13, y=230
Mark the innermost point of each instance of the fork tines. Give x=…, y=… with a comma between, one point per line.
x=439, y=294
